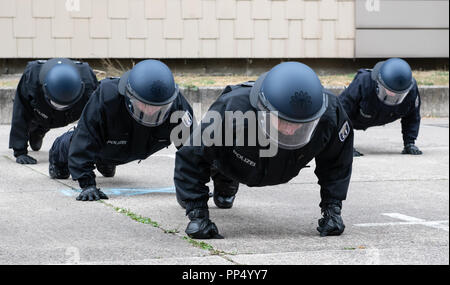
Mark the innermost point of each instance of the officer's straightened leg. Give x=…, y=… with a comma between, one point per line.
x=36, y=135
x=58, y=157
x=225, y=189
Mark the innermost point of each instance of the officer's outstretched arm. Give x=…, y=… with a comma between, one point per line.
x=86, y=142
x=410, y=126
x=351, y=97
x=21, y=118
x=334, y=163
x=333, y=169
x=192, y=172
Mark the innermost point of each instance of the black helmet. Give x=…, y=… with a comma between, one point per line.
x=150, y=90
x=394, y=79
x=61, y=83
x=294, y=92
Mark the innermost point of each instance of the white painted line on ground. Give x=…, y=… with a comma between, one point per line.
x=408, y=220
x=430, y=223
x=403, y=217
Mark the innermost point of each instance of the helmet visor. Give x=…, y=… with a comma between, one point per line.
x=147, y=114
x=389, y=97
x=287, y=135
x=57, y=106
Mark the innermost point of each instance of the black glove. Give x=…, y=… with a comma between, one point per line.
x=201, y=226
x=331, y=224
x=357, y=153
x=91, y=193
x=25, y=159
x=411, y=149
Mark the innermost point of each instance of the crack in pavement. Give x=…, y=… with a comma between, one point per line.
x=195, y=243
x=146, y=220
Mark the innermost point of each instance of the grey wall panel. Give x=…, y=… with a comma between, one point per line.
x=402, y=14
x=402, y=43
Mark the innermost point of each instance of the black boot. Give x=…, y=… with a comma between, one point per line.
x=107, y=170
x=56, y=172
x=225, y=190
x=223, y=202
x=357, y=153
x=200, y=226
x=331, y=224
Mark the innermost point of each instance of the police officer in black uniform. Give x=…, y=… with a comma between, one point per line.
x=51, y=94
x=382, y=95
x=310, y=123
x=127, y=118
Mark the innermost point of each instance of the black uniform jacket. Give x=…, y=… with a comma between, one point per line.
x=107, y=133
x=365, y=110
x=331, y=145
x=30, y=105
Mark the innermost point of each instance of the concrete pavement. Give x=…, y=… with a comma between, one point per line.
x=397, y=212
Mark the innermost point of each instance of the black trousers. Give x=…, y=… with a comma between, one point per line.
x=37, y=130
x=59, y=152
x=223, y=185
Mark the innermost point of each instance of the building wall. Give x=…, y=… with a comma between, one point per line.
x=388, y=28
x=215, y=29
x=177, y=28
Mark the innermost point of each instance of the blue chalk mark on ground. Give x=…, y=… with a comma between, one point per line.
x=123, y=191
